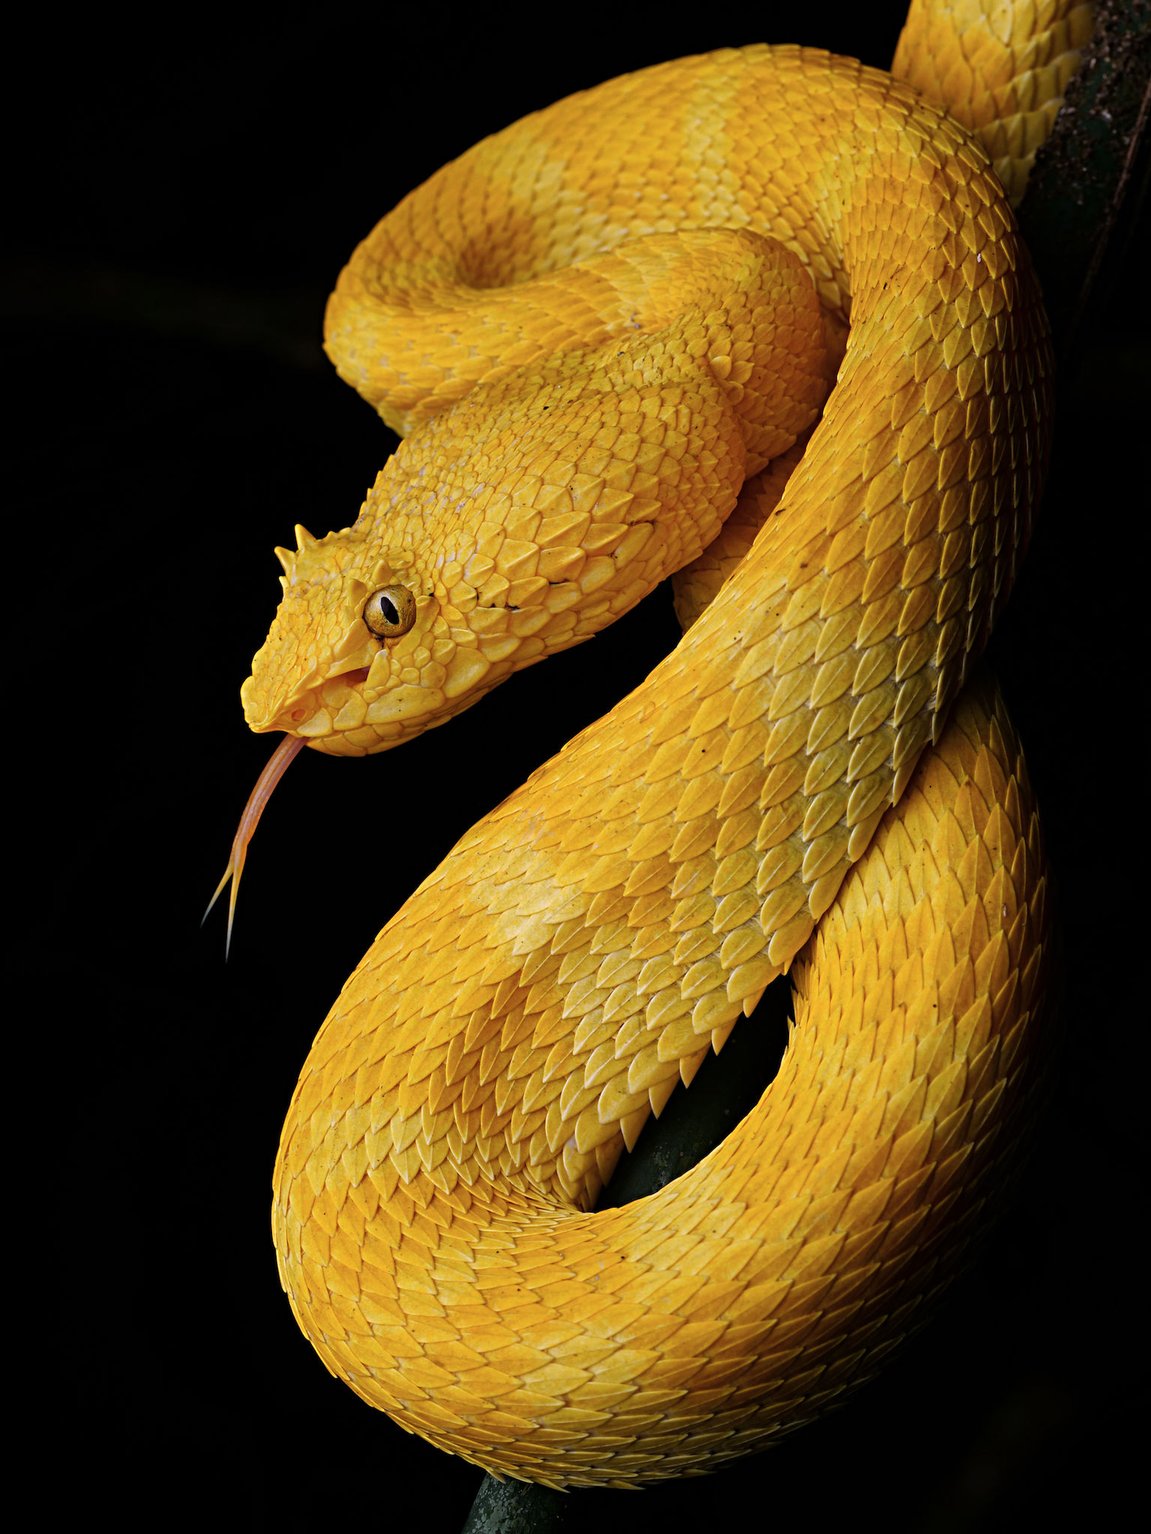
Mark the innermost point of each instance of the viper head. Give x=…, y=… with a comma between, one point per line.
x=382, y=632
x=433, y=595
x=367, y=647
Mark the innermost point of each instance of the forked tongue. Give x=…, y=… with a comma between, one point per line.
x=289, y=747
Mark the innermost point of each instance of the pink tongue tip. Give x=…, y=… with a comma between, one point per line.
x=289, y=747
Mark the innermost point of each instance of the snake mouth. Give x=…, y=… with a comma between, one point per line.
x=310, y=710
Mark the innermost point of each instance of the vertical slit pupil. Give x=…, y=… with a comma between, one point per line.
x=389, y=610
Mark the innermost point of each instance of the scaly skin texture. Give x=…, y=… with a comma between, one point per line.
x=1000, y=69
x=584, y=946
x=551, y=498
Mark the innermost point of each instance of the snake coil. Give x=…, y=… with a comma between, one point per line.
x=795, y=788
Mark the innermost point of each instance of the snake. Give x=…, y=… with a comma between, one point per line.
x=761, y=317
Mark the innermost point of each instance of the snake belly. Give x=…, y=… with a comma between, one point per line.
x=582, y=949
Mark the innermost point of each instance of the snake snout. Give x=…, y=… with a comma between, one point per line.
x=297, y=715
x=313, y=665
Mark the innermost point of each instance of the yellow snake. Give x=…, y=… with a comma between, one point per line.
x=592, y=345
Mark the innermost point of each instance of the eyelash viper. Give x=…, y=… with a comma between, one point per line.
x=582, y=949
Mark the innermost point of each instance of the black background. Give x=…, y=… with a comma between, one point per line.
x=191, y=195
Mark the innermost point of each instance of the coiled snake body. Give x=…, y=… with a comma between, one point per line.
x=585, y=945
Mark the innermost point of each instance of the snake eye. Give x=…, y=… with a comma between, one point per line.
x=390, y=612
